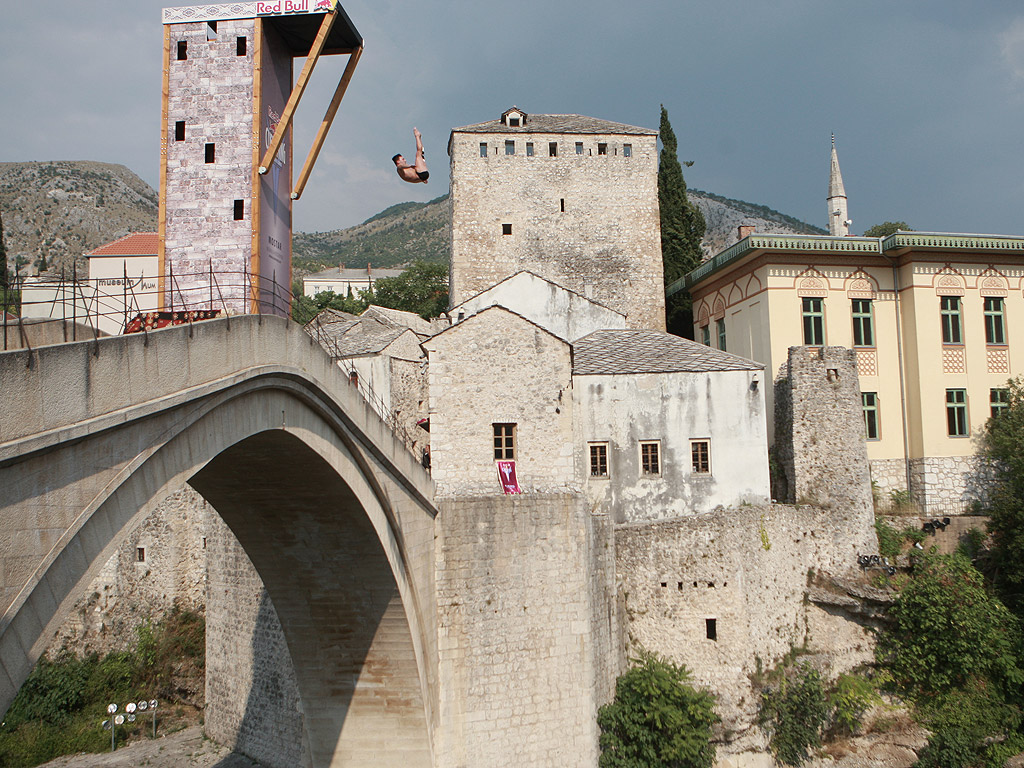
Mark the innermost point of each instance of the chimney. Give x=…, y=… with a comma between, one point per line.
x=746, y=230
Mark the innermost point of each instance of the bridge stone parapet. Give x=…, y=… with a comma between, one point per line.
x=334, y=514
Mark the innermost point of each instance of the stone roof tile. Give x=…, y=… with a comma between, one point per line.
x=635, y=351
x=557, y=124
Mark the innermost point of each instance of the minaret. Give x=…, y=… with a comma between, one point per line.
x=838, y=217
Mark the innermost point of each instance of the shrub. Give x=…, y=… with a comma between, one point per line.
x=657, y=719
x=850, y=698
x=794, y=714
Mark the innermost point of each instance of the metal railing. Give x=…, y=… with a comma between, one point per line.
x=116, y=305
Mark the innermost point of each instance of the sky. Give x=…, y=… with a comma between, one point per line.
x=925, y=97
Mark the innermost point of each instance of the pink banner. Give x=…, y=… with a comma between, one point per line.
x=507, y=476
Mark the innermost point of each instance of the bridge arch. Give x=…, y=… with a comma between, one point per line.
x=336, y=520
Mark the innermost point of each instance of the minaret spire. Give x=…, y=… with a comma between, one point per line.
x=838, y=216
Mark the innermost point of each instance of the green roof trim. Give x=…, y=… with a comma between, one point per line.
x=952, y=240
x=776, y=243
x=835, y=244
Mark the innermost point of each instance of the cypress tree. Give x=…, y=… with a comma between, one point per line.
x=3, y=253
x=682, y=225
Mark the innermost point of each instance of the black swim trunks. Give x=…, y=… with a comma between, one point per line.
x=424, y=175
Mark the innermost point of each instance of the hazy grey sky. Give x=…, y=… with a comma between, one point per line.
x=926, y=98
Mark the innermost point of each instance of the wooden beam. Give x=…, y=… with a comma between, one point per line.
x=257, y=199
x=325, y=124
x=298, y=90
x=161, y=225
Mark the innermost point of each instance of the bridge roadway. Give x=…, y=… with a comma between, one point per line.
x=335, y=514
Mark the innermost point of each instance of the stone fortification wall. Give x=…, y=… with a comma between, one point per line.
x=527, y=630
x=212, y=91
x=819, y=440
x=724, y=594
x=605, y=244
x=409, y=401
x=949, y=485
x=135, y=587
x=252, y=698
x=496, y=367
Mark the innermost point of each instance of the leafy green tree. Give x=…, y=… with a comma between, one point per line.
x=422, y=288
x=887, y=228
x=657, y=719
x=794, y=715
x=1002, y=443
x=305, y=308
x=682, y=224
x=946, y=631
x=3, y=253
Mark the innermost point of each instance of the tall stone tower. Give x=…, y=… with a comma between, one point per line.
x=226, y=172
x=571, y=198
x=838, y=216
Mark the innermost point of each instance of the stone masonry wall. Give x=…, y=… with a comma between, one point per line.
x=527, y=631
x=496, y=367
x=130, y=591
x=888, y=475
x=212, y=91
x=605, y=244
x=252, y=699
x=747, y=570
x=819, y=439
x=949, y=485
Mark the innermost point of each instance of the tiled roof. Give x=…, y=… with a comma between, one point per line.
x=345, y=335
x=632, y=351
x=340, y=273
x=399, y=319
x=557, y=124
x=135, y=244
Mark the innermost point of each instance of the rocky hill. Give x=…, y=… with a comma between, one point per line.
x=410, y=231
x=62, y=209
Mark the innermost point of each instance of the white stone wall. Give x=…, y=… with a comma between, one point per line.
x=496, y=367
x=949, y=485
x=605, y=245
x=526, y=631
x=567, y=315
x=212, y=91
x=888, y=475
x=746, y=568
x=722, y=407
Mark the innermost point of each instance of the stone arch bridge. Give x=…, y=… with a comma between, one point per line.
x=332, y=510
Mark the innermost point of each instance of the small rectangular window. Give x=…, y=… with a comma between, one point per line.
x=720, y=326
x=239, y=210
x=999, y=400
x=599, y=459
x=513, y=122
x=504, y=442
x=869, y=405
x=705, y=335
x=182, y=50
x=711, y=628
x=814, y=321
x=210, y=152
x=483, y=149
x=510, y=147
x=579, y=147
x=863, y=323
x=240, y=46
x=179, y=130
x=140, y=554
x=956, y=413
x=552, y=149
x=529, y=149
x=602, y=148
x=211, y=31
x=506, y=229
x=650, y=457
x=700, y=455
x=995, y=321
x=561, y=204
x=627, y=150
x=949, y=311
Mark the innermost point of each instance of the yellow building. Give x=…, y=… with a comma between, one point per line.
x=935, y=319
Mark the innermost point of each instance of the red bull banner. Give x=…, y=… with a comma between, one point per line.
x=507, y=476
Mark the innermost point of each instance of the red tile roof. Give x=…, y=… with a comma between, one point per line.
x=135, y=244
